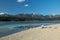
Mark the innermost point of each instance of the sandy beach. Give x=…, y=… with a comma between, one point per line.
x=49, y=32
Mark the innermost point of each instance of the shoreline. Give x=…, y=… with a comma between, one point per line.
x=8, y=31
x=48, y=32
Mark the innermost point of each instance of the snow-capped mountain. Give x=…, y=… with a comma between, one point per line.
x=31, y=15
x=52, y=16
x=4, y=14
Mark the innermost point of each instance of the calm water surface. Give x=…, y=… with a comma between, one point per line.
x=7, y=27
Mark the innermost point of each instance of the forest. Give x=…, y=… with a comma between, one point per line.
x=26, y=19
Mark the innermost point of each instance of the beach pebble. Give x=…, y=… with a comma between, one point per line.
x=43, y=26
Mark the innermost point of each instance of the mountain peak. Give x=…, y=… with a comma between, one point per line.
x=2, y=13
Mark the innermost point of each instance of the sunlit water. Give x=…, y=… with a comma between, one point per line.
x=7, y=27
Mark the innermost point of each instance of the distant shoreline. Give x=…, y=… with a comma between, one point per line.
x=30, y=20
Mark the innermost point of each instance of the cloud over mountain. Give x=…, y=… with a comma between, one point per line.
x=26, y=5
x=21, y=0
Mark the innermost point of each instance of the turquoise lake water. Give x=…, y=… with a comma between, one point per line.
x=9, y=27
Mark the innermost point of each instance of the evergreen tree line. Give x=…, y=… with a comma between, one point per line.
x=25, y=18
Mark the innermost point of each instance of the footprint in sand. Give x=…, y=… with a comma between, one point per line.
x=50, y=27
x=55, y=27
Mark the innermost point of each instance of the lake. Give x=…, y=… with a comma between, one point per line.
x=9, y=27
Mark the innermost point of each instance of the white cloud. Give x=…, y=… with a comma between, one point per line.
x=20, y=0
x=26, y=5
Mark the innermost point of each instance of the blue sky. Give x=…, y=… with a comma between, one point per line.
x=30, y=6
